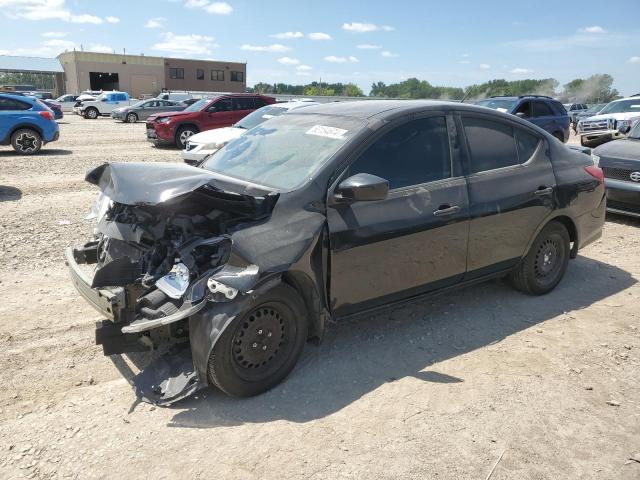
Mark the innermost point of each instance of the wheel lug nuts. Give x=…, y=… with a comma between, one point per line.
x=264, y=347
x=255, y=345
x=260, y=332
x=269, y=334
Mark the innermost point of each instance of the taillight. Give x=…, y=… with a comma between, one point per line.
x=595, y=172
x=46, y=114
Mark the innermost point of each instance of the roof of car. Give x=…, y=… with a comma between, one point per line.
x=19, y=97
x=366, y=109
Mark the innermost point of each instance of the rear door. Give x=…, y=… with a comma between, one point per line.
x=218, y=114
x=242, y=106
x=416, y=239
x=511, y=184
x=544, y=117
x=11, y=112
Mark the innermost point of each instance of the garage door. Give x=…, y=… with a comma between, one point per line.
x=143, y=84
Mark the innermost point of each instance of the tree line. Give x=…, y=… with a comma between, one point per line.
x=594, y=89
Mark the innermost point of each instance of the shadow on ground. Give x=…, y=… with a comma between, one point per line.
x=9, y=194
x=42, y=153
x=359, y=355
x=623, y=220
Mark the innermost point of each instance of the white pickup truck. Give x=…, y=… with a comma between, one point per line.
x=610, y=122
x=103, y=104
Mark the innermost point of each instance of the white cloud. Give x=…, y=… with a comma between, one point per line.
x=155, y=22
x=112, y=20
x=592, y=29
x=287, y=35
x=59, y=43
x=334, y=59
x=368, y=46
x=388, y=54
x=55, y=34
x=319, y=36
x=303, y=74
x=219, y=8
x=634, y=60
x=358, y=27
x=186, y=44
x=484, y=66
x=196, y=3
x=276, y=47
x=303, y=68
x=520, y=71
x=48, y=10
x=98, y=48
x=288, y=61
x=85, y=18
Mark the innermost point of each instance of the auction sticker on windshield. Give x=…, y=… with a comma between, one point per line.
x=328, y=132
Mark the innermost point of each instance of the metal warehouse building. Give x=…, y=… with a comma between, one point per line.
x=145, y=75
x=45, y=74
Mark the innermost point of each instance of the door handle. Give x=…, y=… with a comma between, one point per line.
x=542, y=191
x=446, y=210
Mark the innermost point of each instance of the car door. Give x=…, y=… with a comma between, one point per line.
x=413, y=241
x=11, y=113
x=147, y=109
x=218, y=114
x=511, y=184
x=543, y=116
x=242, y=106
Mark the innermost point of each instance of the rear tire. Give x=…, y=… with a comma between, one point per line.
x=26, y=141
x=544, y=265
x=91, y=113
x=261, y=346
x=131, y=117
x=183, y=134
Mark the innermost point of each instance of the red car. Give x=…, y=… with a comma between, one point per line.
x=206, y=114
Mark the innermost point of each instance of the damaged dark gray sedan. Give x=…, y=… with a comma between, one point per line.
x=323, y=213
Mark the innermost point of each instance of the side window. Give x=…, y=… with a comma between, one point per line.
x=259, y=102
x=176, y=73
x=541, y=109
x=237, y=76
x=491, y=144
x=557, y=107
x=243, y=103
x=412, y=153
x=223, y=105
x=217, y=75
x=524, y=108
x=9, y=104
x=526, y=143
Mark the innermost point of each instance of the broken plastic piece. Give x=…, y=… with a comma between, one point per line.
x=176, y=282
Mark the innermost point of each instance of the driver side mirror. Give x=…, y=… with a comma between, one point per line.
x=361, y=187
x=521, y=115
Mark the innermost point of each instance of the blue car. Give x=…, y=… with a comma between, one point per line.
x=545, y=112
x=26, y=123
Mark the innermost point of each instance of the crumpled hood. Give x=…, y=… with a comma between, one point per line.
x=218, y=136
x=623, y=149
x=615, y=116
x=153, y=183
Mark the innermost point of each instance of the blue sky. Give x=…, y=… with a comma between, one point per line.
x=453, y=43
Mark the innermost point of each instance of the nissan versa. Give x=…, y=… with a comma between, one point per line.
x=325, y=212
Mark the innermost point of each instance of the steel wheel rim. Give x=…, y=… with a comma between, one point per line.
x=263, y=342
x=546, y=263
x=27, y=142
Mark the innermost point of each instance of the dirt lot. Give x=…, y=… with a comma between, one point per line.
x=439, y=389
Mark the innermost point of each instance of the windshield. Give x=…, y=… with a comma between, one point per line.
x=261, y=115
x=196, y=107
x=498, y=103
x=622, y=106
x=286, y=151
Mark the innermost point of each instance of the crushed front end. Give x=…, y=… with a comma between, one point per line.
x=160, y=255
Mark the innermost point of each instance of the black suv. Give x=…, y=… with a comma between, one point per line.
x=322, y=213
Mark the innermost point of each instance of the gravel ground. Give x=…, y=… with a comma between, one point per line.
x=442, y=388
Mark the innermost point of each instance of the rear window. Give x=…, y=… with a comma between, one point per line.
x=491, y=144
x=10, y=104
x=558, y=108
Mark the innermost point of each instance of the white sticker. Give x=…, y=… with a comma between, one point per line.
x=328, y=132
x=503, y=110
x=267, y=116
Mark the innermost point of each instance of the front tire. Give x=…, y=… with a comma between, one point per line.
x=132, y=117
x=544, y=265
x=261, y=346
x=91, y=113
x=183, y=134
x=26, y=141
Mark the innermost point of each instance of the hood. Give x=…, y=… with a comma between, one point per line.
x=615, y=116
x=217, y=136
x=156, y=183
x=625, y=149
x=170, y=114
